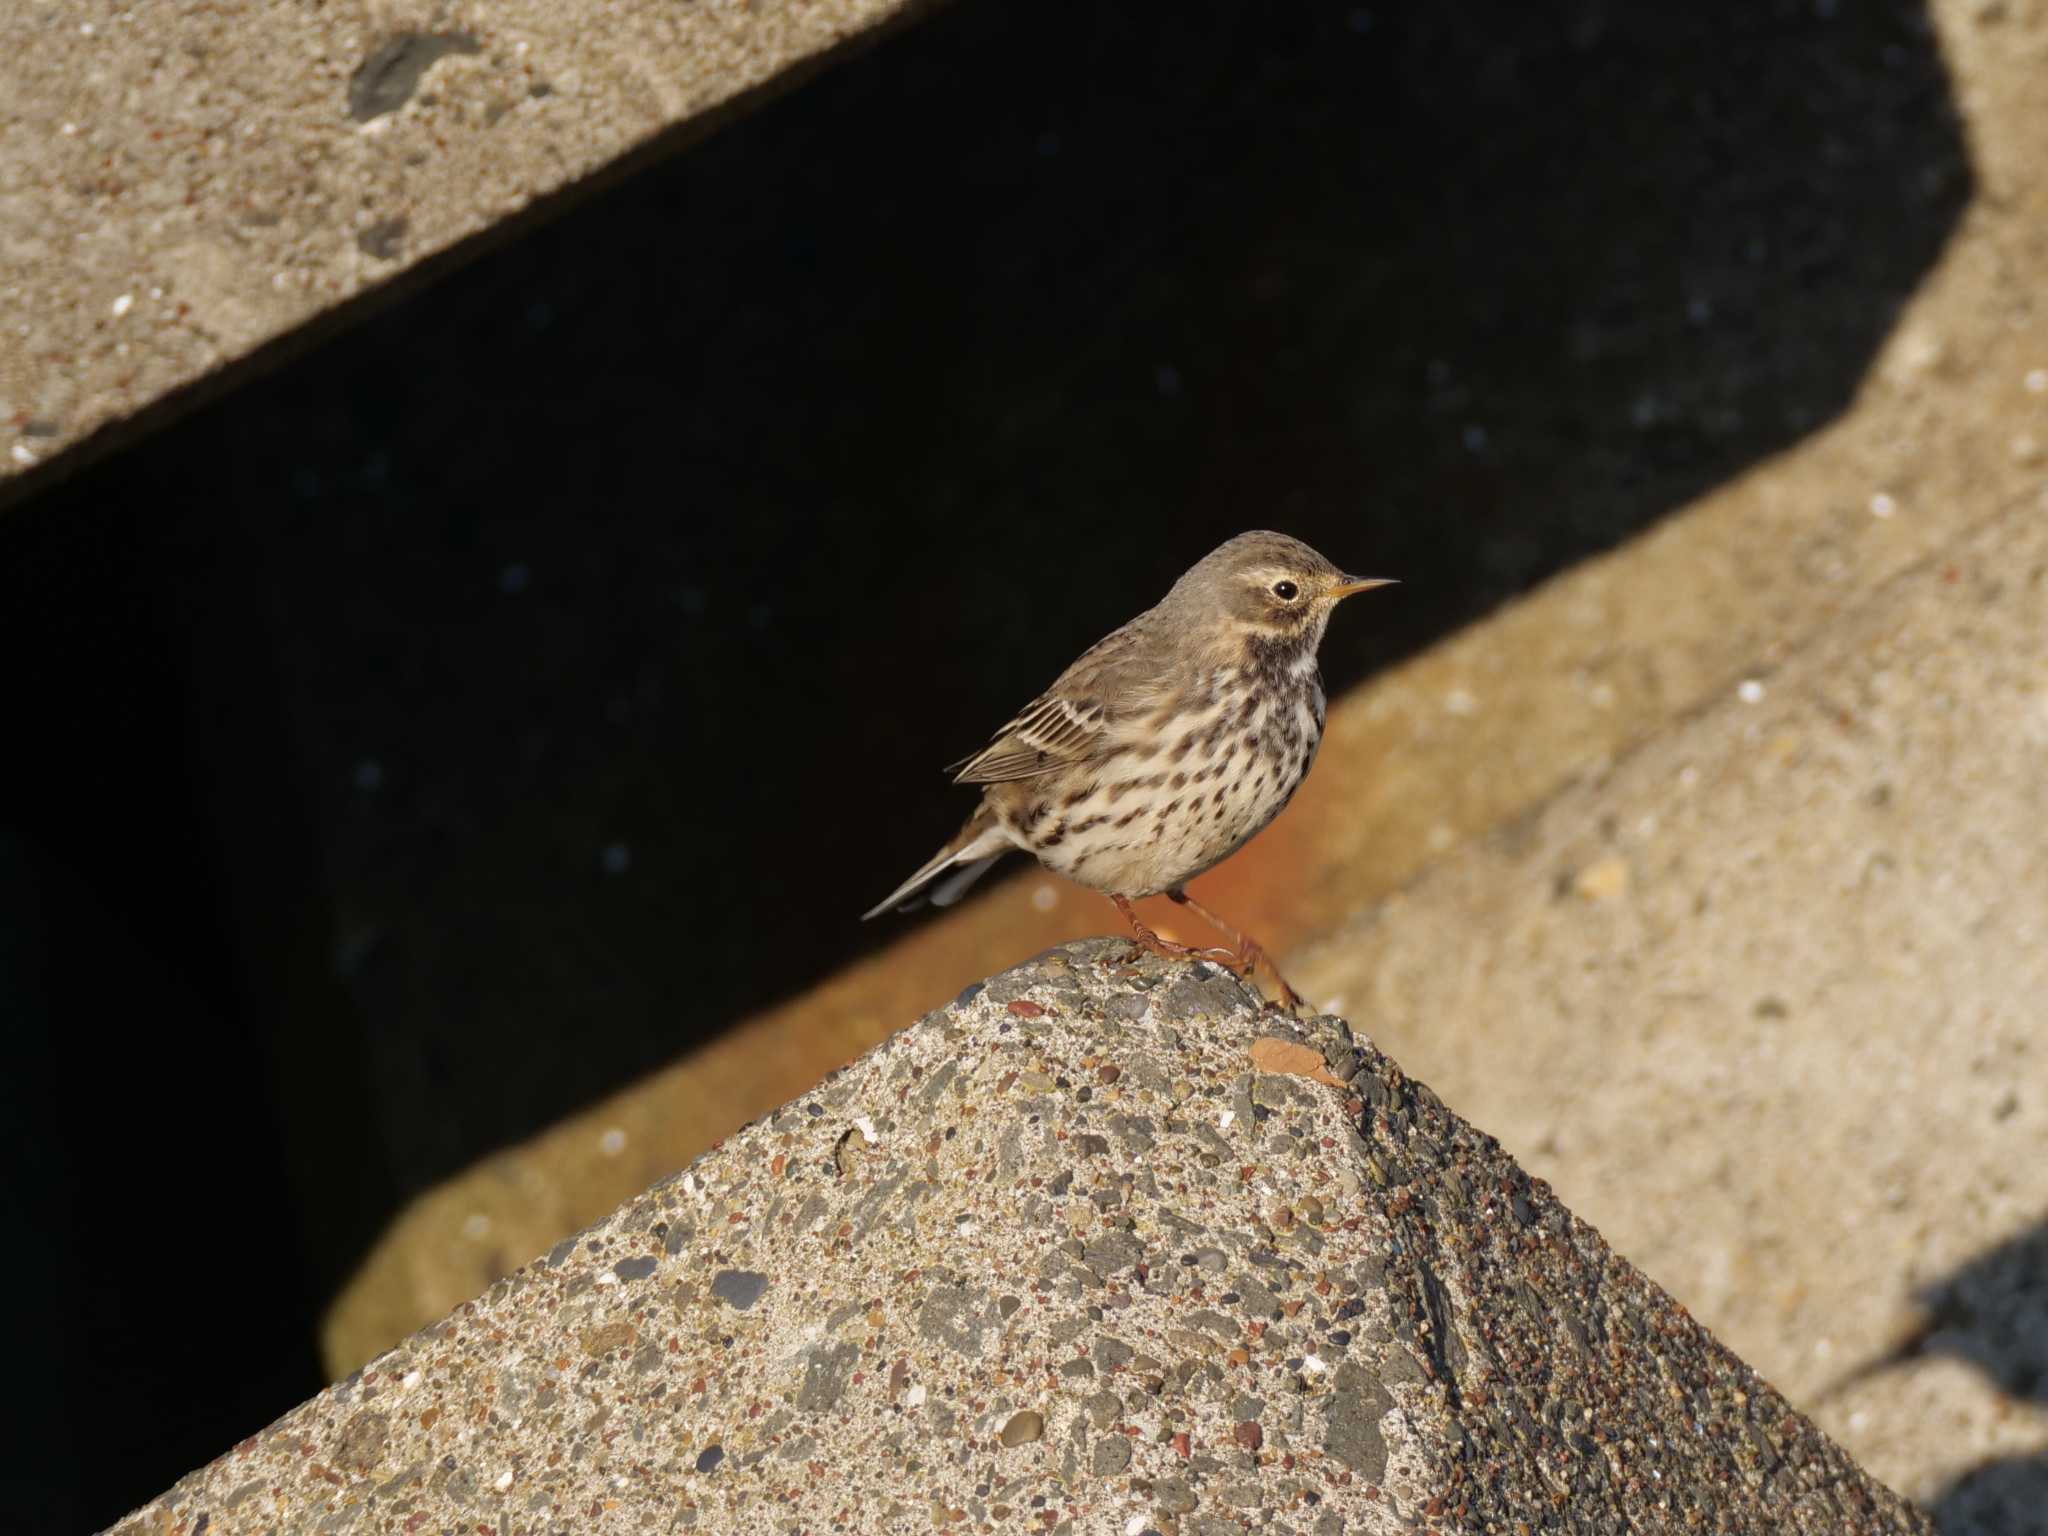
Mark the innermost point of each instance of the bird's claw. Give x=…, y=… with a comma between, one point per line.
x=1229, y=959
x=1289, y=1002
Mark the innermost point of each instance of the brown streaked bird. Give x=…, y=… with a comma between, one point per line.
x=1166, y=748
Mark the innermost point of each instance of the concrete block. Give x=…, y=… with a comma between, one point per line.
x=1099, y=1247
x=180, y=191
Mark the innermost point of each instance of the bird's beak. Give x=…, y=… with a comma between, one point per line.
x=1352, y=585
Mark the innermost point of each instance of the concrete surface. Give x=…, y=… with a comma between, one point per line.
x=175, y=193
x=1764, y=1003
x=1951, y=425
x=1099, y=1247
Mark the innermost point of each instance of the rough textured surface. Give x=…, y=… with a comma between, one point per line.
x=176, y=191
x=1058, y=1258
x=1764, y=1003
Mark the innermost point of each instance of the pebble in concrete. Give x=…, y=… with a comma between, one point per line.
x=1092, y=1271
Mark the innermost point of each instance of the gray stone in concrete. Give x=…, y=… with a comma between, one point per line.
x=1302, y=1308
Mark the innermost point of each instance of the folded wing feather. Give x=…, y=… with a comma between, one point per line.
x=1052, y=732
x=1068, y=723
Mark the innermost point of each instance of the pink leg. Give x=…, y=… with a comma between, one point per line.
x=1248, y=952
x=1147, y=939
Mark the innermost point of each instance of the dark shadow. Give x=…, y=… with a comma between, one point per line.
x=2004, y=1497
x=1993, y=1314
x=491, y=704
x=2001, y=1498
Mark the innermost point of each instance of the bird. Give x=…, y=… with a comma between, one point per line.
x=1166, y=747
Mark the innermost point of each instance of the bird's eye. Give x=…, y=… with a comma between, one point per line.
x=1286, y=591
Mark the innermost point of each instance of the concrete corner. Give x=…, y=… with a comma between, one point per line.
x=177, y=192
x=1098, y=1247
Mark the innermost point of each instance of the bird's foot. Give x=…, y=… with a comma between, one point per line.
x=1148, y=941
x=1247, y=957
x=1290, y=1002
x=1227, y=958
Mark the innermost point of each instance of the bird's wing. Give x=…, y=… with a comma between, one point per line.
x=1070, y=722
x=1050, y=733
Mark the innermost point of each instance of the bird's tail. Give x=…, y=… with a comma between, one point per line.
x=946, y=875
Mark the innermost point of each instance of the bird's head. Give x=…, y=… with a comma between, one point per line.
x=1267, y=588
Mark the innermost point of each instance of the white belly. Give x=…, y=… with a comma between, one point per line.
x=1162, y=820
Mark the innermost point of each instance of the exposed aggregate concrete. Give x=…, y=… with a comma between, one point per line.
x=1058, y=1259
